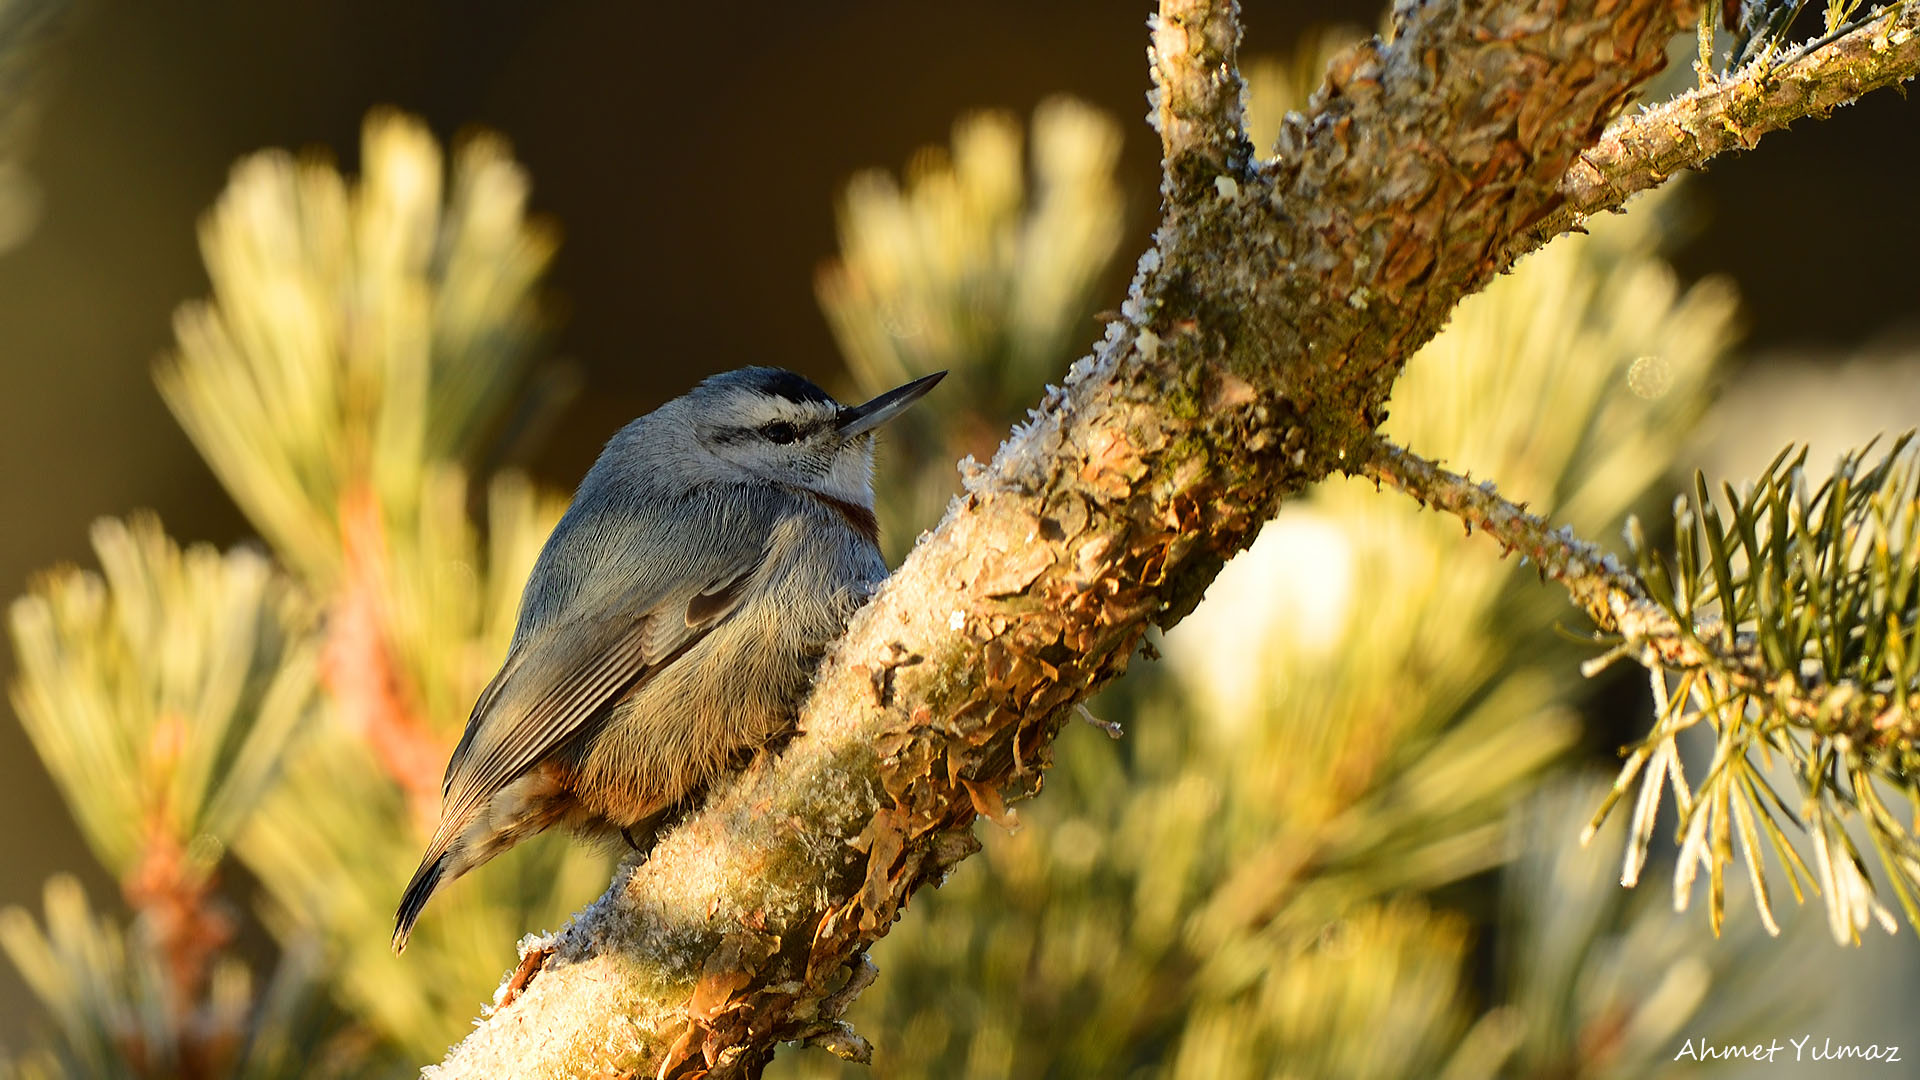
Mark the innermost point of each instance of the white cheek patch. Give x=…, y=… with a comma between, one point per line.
x=851, y=475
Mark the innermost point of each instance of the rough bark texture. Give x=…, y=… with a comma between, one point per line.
x=1256, y=351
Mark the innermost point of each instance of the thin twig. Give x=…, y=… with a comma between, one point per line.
x=1597, y=582
x=1613, y=596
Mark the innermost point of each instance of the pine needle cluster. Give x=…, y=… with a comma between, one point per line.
x=368, y=346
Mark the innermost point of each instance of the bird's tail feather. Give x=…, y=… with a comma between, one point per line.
x=426, y=879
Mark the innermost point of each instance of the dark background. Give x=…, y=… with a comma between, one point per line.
x=692, y=154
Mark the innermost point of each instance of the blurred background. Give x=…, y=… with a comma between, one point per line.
x=693, y=164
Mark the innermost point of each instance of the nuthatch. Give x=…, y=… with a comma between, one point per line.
x=673, y=620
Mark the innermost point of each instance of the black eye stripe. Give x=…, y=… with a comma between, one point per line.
x=729, y=436
x=779, y=432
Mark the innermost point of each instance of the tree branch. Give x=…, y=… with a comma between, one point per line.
x=1197, y=92
x=1612, y=596
x=1716, y=630
x=1259, y=342
x=1643, y=150
x=1594, y=580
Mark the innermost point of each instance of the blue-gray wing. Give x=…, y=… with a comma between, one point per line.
x=606, y=609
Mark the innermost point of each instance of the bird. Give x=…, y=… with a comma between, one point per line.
x=672, y=621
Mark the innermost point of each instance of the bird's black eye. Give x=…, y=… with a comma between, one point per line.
x=779, y=432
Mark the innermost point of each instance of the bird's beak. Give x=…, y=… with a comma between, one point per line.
x=860, y=419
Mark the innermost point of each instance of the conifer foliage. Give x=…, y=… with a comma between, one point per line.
x=367, y=345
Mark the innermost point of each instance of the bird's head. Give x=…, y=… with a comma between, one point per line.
x=778, y=427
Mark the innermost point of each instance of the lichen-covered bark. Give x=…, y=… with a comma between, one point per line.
x=1256, y=351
